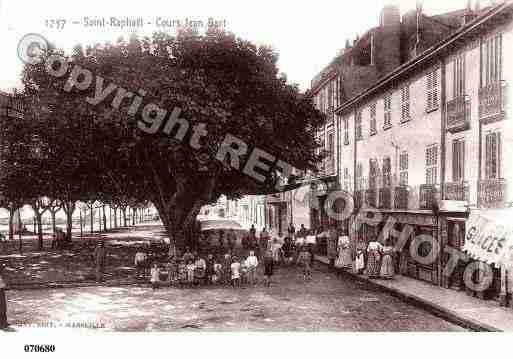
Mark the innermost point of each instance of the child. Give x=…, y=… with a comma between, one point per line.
x=182, y=272
x=210, y=268
x=190, y=272
x=235, y=269
x=172, y=270
x=218, y=272
x=155, y=274
x=304, y=261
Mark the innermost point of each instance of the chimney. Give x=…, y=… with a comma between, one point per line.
x=469, y=14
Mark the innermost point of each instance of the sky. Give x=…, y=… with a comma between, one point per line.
x=306, y=34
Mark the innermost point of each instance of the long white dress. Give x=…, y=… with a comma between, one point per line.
x=344, y=259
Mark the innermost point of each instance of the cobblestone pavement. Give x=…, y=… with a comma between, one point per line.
x=324, y=304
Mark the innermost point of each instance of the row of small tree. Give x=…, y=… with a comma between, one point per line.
x=67, y=150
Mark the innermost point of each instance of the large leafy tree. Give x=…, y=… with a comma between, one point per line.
x=219, y=84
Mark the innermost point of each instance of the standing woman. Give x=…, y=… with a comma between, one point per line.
x=374, y=257
x=387, y=261
x=344, y=260
x=3, y=301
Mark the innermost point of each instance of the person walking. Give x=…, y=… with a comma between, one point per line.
x=291, y=231
x=304, y=262
x=387, y=261
x=99, y=257
x=374, y=258
x=155, y=276
x=235, y=271
x=140, y=263
x=251, y=265
x=344, y=260
x=3, y=301
x=331, y=249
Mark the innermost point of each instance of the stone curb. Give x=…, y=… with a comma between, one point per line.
x=425, y=304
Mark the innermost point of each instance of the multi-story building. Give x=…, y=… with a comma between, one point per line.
x=438, y=127
x=368, y=59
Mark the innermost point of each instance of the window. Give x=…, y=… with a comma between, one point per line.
x=403, y=169
x=358, y=125
x=493, y=155
x=372, y=125
x=491, y=60
x=347, y=180
x=458, y=160
x=359, y=175
x=458, y=86
x=431, y=164
x=387, y=172
x=405, y=103
x=346, y=131
x=331, y=153
x=338, y=91
x=373, y=173
x=387, y=107
x=456, y=234
x=431, y=90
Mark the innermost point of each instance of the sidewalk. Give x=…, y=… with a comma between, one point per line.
x=456, y=307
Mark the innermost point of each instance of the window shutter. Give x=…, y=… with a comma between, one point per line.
x=499, y=155
x=434, y=94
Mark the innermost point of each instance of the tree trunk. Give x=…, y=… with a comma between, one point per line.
x=37, y=217
x=11, y=223
x=68, y=207
x=91, y=217
x=99, y=220
x=81, y=224
x=54, y=228
x=124, y=216
x=133, y=216
x=115, y=217
x=104, y=219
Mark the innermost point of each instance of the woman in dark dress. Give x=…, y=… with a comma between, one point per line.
x=3, y=301
x=268, y=267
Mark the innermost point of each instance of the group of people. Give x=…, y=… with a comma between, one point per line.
x=192, y=269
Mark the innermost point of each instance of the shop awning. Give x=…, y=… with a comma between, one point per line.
x=489, y=236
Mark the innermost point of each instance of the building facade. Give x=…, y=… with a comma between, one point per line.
x=437, y=128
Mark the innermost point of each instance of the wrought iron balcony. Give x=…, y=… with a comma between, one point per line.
x=458, y=114
x=401, y=195
x=427, y=196
x=456, y=191
x=491, y=193
x=492, y=99
x=385, y=198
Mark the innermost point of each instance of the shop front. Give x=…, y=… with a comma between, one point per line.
x=489, y=240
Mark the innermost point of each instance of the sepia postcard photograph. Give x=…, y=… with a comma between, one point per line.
x=272, y=175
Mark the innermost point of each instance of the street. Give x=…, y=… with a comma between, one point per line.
x=324, y=304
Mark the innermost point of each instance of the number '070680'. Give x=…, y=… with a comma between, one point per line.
x=43, y=348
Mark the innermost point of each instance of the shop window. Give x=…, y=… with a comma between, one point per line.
x=456, y=234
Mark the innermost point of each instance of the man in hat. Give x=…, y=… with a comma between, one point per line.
x=3, y=301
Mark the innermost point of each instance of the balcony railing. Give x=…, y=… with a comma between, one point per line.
x=458, y=114
x=401, y=197
x=427, y=196
x=491, y=101
x=370, y=197
x=385, y=198
x=456, y=191
x=491, y=193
